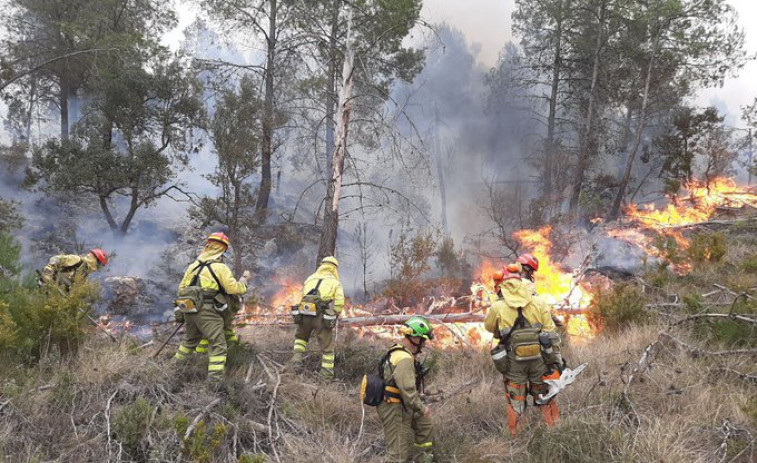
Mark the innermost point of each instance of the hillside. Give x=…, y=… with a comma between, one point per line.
x=665, y=382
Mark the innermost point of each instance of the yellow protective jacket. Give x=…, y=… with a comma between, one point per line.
x=330, y=288
x=400, y=373
x=206, y=281
x=530, y=285
x=503, y=313
x=64, y=268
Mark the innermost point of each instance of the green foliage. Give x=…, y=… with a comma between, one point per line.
x=131, y=424
x=668, y=248
x=31, y=320
x=693, y=302
x=10, y=218
x=449, y=260
x=576, y=441
x=410, y=255
x=621, y=307
x=707, y=247
x=181, y=424
x=10, y=251
x=729, y=333
x=202, y=444
x=235, y=130
x=153, y=110
x=410, y=261
x=249, y=458
x=749, y=264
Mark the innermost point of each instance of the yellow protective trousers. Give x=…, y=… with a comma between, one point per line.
x=207, y=324
x=314, y=325
x=409, y=435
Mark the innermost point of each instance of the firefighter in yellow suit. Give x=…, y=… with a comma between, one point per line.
x=525, y=328
x=406, y=420
x=322, y=302
x=214, y=277
x=63, y=269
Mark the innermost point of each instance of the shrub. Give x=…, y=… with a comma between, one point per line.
x=622, y=306
x=31, y=320
x=203, y=443
x=130, y=426
x=749, y=264
x=576, y=441
x=707, y=247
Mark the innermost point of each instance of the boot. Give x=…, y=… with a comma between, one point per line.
x=550, y=413
x=512, y=420
x=327, y=373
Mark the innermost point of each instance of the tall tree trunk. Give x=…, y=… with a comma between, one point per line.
x=331, y=92
x=549, y=151
x=108, y=216
x=437, y=147
x=133, y=206
x=266, y=150
x=30, y=111
x=615, y=212
x=586, y=144
x=63, y=102
x=331, y=210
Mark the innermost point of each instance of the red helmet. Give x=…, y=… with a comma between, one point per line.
x=530, y=260
x=100, y=255
x=220, y=237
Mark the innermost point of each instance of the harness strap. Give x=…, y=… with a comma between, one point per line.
x=212, y=273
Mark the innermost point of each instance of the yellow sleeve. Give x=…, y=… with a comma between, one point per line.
x=230, y=284
x=491, y=322
x=338, y=296
x=404, y=378
x=64, y=260
x=545, y=315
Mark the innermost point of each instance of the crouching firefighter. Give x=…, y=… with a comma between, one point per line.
x=528, y=352
x=396, y=392
x=198, y=300
x=322, y=302
x=64, y=269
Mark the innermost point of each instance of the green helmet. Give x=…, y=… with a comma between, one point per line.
x=418, y=326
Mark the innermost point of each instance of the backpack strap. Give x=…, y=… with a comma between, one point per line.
x=207, y=265
x=314, y=291
x=520, y=321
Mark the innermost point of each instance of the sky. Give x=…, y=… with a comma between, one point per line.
x=487, y=26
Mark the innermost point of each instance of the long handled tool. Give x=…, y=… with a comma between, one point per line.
x=165, y=343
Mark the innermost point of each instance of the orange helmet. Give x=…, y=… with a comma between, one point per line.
x=100, y=255
x=530, y=260
x=220, y=237
x=514, y=268
x=498, y=276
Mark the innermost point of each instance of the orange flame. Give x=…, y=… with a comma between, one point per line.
x=553, y=283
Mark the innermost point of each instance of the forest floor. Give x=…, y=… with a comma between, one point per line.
x=674, y=385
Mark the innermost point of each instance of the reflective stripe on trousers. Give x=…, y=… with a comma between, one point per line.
x=202, y=347
x=182, y=353
x=216, y=363
x=300, y=345
x=327, y=361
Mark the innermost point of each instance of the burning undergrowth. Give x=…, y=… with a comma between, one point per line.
x=574, y=265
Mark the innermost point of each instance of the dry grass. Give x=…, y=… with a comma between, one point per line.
x=682, y=408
